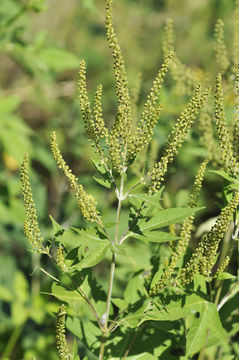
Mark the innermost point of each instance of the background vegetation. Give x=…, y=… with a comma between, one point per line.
x=41, y=44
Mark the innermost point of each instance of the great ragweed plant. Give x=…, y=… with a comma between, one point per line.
x=170, y=290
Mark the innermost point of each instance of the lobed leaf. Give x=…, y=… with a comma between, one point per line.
x=71, y=297
x=166, y=217
x=155, y=236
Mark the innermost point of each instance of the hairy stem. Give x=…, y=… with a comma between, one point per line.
x=111, y=279
x=112, y=269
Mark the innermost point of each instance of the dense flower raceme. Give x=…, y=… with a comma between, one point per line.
x=87, y=203
x=31, y=227
x=62, y=347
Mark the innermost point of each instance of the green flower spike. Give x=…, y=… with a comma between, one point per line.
x=60, y=259
x=235, y=43
x=205, y=128
x=203, y=258
x=150, y=114
x=227, y=156
x=62, y=348
x=31, y=227
x=220, y=47
x=87, y=203
x=176, y=138
x=182, y=75
x=222, y=267
x=185, y=233
x=94, y=123
x=212, y=239
x=118, y=137
x=236, y=123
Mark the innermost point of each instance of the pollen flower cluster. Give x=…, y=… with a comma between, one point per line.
x=87, y=203
x=203, y=258
x=177, y=136
x=227, y=157
x=31, y=227
x=62, y=347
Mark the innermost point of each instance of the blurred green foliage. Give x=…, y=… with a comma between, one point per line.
x=41, y=44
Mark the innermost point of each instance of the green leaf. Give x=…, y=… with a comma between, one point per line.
x=199, y=284
x=206, y=322
x=134, y=289
x=105, y=183
x=223, y=174
x=92, y=252
x=69, y=239
x=135, y=313
x=86, y=331
x=71, y=297
x=58, y=59
x=90, y=233
x=120, y=303
x=74, y=351
x=178, y=307
x=226, y=276
x=205, y=330
x=57, y=228
x=155, y=236
x=150, y=200
x=73, y=238
x=234, y=186
x=166, y=217
x=99, y=166
x=142, y=356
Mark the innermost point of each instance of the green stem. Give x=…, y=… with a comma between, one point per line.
x=228, y=295
x=132, y=341
x=112, y=270
x=12, y=341
x=79, y=291
x=102, y=346
x=85, y=297
x=112, y=267
x=120, y=199
x=109, y=294
x=232, y=233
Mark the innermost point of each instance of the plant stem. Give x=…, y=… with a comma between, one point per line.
x=111, y=279
x=79, y=291
x=120, y=199
x=132, y=342
x=12, y=341
x=228, y=295
x=115, y=241
x=112, y=269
